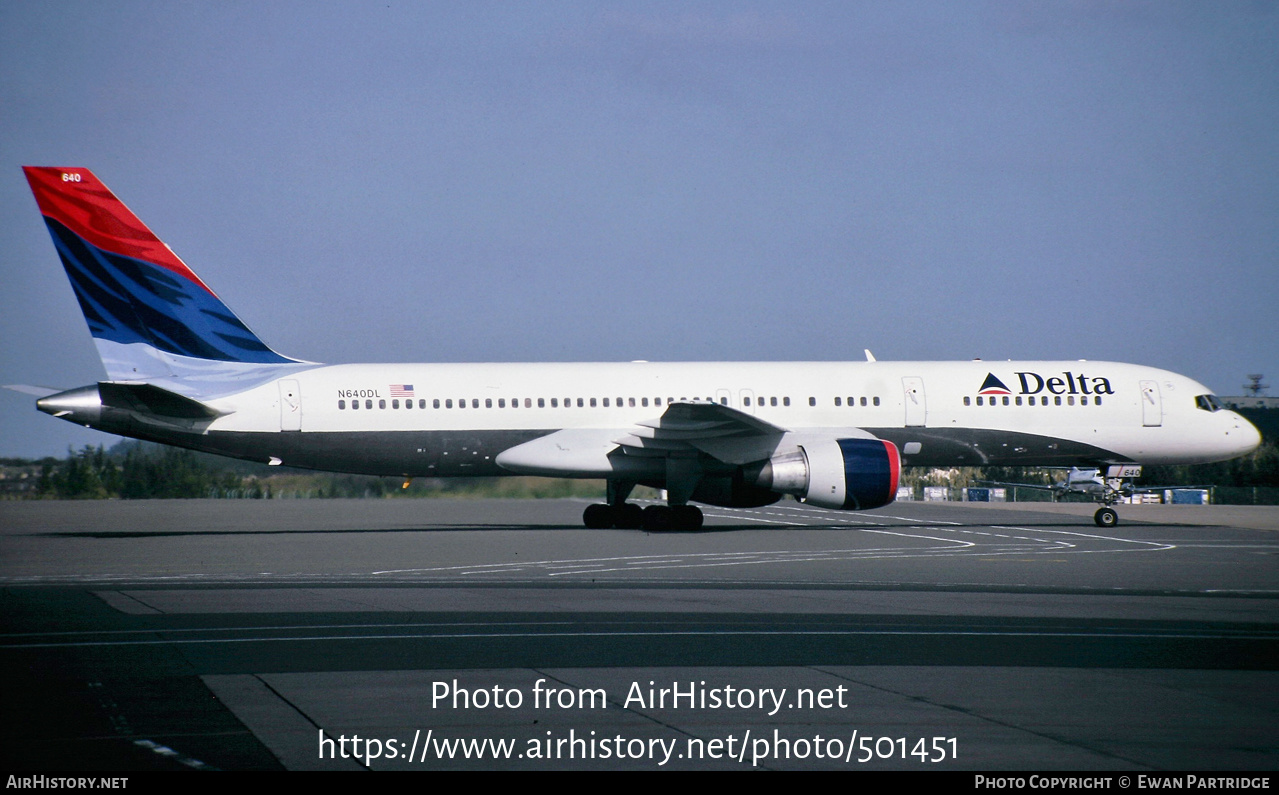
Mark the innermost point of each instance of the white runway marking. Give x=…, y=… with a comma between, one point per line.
x=917, y=539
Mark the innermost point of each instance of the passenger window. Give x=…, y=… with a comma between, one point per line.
x=368, y=404
x=435, y=403
x=579, y=403
x=1017, y=400
x=1005, y=400
x=1070, y=399
x=592, y=402
x=341, y=405
x=863, y=401
x=630, y=402
x=968, y=401
x=772, y=401
x=812, y=401
x=1096, y=400
x=746, y=401
x=618, y=403
x=723, y=401
x=395, y=404
x=555, y=403
x=528, y=403
x=644, y=402
x=408, y=404
x=541, y=403
x=355, y=405
x=448, y=404
x=501, y=403
x=605, y=402
x=875, y=401
x=381, y=404
x=421, y=403
x=979, y=400
x=657, y=401
x=785, y=401
x=1057, y=400
x=1083, y=400
x=488, y=403
x=839, y=401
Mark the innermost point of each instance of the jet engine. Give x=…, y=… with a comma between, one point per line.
x=851, y=474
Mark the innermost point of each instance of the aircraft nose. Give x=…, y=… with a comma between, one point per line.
x=1245, y=436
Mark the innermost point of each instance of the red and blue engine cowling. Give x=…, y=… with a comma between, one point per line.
x=845, y=474
x=852, y=474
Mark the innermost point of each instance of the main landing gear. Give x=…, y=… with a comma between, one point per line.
x=1106, y=517
x=654, y=518
x=628, y=516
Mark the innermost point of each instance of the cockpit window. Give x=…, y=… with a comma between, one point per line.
x=1209, y=403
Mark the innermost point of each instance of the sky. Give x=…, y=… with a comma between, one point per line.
x=456, y=182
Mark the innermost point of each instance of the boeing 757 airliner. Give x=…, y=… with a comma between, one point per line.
x=182, y=369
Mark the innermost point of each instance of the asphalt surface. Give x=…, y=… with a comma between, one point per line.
x=261, y=635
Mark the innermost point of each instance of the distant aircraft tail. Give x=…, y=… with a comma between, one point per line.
x=149, y=314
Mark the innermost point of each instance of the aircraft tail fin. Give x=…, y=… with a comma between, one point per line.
x=149, y=314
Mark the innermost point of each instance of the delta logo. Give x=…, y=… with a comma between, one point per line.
x=1034, y=383
x=993, y=386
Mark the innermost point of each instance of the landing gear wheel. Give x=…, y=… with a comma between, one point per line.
x=687, y=517
x=1106, y=517
x=658, y=519
x=598, y=517
x=628, y=516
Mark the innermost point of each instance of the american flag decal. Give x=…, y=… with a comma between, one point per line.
x=401, y=390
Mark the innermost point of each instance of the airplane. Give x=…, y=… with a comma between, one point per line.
x=182, y=369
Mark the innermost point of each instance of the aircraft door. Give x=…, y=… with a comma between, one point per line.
x=1152, y=410
x=290, y=405
x=916, y=407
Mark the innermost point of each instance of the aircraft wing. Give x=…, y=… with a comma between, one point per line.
x=1039, y=486
x=724, y=433
x=682, y=430
x=1136, y=489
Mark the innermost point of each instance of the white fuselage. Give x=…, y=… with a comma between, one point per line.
x=1051, y=413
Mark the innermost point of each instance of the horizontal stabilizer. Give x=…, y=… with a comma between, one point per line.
x=38, y=391
x=152, y=400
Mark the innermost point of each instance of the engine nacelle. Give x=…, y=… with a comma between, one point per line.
x=851, y=474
